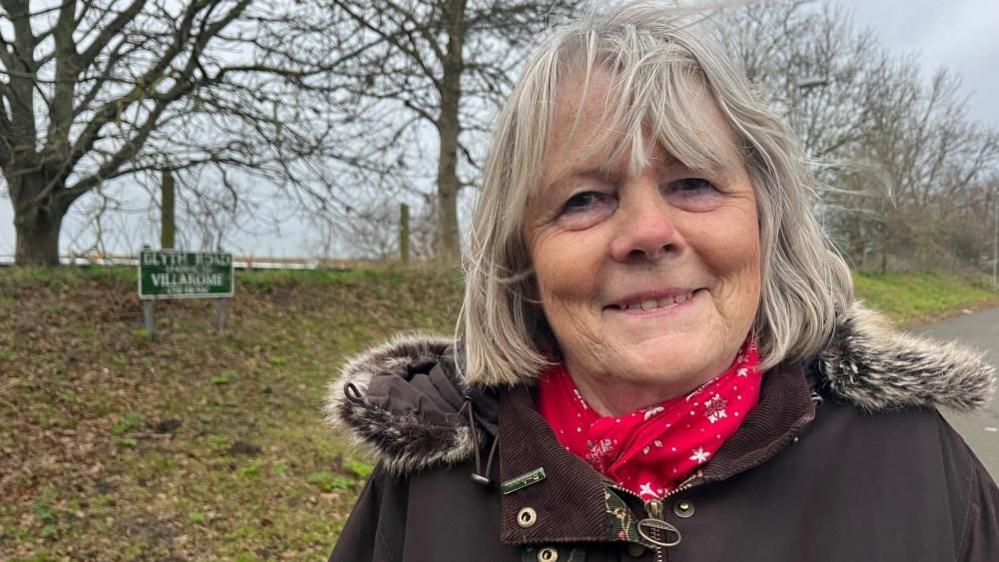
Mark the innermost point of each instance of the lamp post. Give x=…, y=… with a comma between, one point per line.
x=803, y=85
x=810, y=82
x=995, y=244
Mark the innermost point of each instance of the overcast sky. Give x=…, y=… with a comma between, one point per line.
x=962, y=35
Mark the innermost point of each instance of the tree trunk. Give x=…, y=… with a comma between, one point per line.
x=36, y=223
x=37, y=232
x=448, y=128
x=448, y=248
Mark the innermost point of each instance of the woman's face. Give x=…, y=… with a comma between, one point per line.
x=649, y=281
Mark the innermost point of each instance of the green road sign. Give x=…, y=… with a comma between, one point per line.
x=166, y=274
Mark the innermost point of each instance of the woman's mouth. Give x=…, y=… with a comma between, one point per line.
x=646, y=303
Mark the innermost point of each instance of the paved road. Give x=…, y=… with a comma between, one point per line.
x=981, y=431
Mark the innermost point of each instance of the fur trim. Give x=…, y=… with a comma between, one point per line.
x=866, y=363
x=403, y=441
x=876, y=368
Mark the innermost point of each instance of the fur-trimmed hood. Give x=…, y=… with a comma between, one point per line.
x=876, y=368
x=405, y=402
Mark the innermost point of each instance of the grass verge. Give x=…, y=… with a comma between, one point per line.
x=199, y=445
x=922, y=297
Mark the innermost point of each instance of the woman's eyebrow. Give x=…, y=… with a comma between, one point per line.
x=665, y=159
x=559, y=184
x=662, y=162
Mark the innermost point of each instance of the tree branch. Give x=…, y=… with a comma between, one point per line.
x=111, y=30
x=392, y=38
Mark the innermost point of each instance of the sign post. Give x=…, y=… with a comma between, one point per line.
x=168, y=274
x=147, y=314
x=222, y=313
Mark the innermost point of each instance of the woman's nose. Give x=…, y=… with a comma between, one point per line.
x=645, y=227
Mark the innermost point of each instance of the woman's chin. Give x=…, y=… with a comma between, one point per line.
x=668, y=373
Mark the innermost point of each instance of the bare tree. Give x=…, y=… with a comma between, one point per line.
x=901, y=164
x=813, y=66
x=94, y=90
x=938, y=162
x=444, y=63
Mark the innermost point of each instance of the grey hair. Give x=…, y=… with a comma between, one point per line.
x=656, y=55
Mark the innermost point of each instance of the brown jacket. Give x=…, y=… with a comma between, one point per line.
x=846, y=459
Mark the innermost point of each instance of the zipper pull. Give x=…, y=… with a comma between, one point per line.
x=655, y=529
x=655, y=509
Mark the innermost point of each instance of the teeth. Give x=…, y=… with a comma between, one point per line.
x=653, y=304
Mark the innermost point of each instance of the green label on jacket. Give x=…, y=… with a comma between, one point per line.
x=523, y=481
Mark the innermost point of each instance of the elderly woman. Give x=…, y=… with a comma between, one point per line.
x=661, y=356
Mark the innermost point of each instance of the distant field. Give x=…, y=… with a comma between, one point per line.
x=210, y=446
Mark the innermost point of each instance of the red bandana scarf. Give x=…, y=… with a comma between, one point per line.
x=650, y=451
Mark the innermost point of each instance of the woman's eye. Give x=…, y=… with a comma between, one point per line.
x=693, y=194
x=581, y=201
x=586, y=208
x=693, y=185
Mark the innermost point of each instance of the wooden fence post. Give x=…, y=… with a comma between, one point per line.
x=404, y=233
x=168, y=226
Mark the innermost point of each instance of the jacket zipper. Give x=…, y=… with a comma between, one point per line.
x=687, y=484
x=654, y=508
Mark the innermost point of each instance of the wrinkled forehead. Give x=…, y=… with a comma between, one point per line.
x=611, y=115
